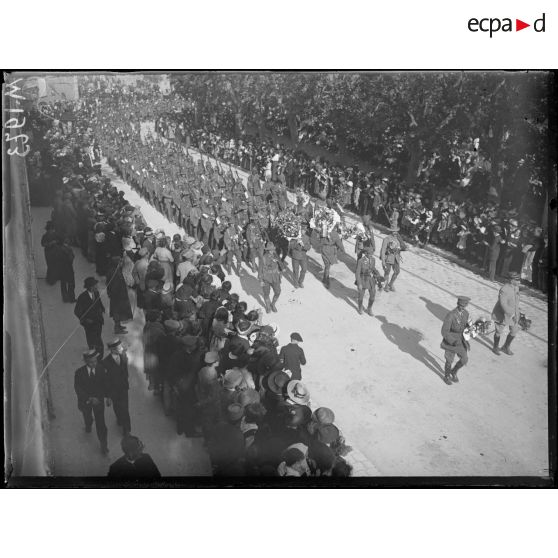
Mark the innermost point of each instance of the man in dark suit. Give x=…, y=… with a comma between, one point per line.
x=292, y=356
x=453, y=340
x=89, y=310
x=134, y=463
x=116, y=365
x=91, y=390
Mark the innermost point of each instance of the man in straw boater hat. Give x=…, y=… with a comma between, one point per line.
x=506, y=313
x=90, y=386
x=390, y=255
x=453, y=340
x=269, y=274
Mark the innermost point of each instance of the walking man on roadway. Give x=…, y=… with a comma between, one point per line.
x=365, y=278
x=91, y=389
x=506, y=313
x=453, y=340
x=391, y=255
x=269, y=274
x=116, y=365
x=298, y=248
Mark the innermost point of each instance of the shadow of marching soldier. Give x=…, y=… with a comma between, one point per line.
x=408, y=341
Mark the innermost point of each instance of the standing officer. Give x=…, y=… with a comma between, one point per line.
x=365, y=281
x=298, y=248
x=391, y=255
x=89, y=310
x=506, y=313
x=91, y=389
x=269, y=275
x=453, y=341
x=116, y=365
x=330, y=246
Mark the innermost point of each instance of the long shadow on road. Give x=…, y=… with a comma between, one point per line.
x=408, y=341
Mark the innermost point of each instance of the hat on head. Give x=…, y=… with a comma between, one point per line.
x=463, y=299
x=232, y=378
x=114, y=343
x=91, y=353
x=276, y=381
x=248, y=396
x=297, y=392
x=514, y=275
x=171, y=325
x=89, y=282
x=211, y=357
x=269, y=246
x=296, y=337
x=235, y=412
x=323, y=415
x=327, y=433
x=148, y=231
x=189, y=341
x=298, y=415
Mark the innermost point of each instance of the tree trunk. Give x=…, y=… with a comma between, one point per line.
x=293, y=128
x=414, y=163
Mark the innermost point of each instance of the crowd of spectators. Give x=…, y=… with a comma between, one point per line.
x=216, y=366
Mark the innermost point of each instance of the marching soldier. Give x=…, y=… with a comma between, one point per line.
x=453, y=342
x=391, y=255
x=330, y=246
x=365, y=278
x=254, y=241
x=269, y=275
x=506, y=313
x=298, y=249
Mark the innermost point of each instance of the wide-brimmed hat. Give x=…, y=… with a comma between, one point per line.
x=114, y=343
x=297, y=392
x=242, y=326
x=327, y=433
x=232, y=378
x=89, y=282
x=248, y=396
x=514, y=275
x=211, y=357
x=323, y=415
x=171, y=325
x=91, y=353
x=298, y=415
x=235, y=412
x=276, y=381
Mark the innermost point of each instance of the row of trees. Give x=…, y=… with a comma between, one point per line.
x=404, y=122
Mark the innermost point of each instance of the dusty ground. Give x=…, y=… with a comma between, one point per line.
x=381, y=375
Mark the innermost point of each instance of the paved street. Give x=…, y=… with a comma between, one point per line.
x=381, y=375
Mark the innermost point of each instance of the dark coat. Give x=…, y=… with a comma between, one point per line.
x=63, y=259
x=117, y=291
x=86, y=387
x=94, y=309
x=452, y=332
x=292, y=356
x=143, y=467
x=117, y=375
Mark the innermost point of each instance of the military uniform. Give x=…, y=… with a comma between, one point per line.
x=269, y=274
x=298, y=249
x=506, y=314
x=365, y=281
x=391, y=256
x=453, y=341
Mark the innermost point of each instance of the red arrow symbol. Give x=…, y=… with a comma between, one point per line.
x=519, y=25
